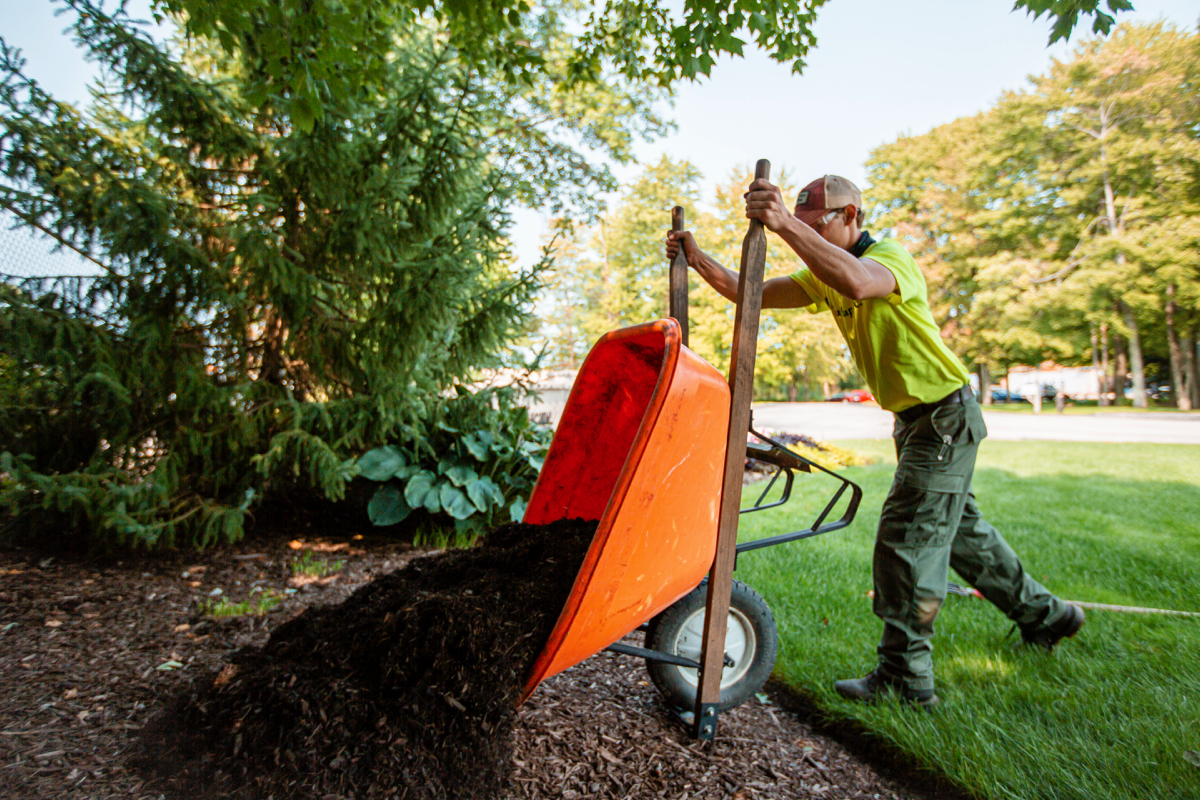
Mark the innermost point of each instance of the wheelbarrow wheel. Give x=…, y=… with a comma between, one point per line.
x=751, y=643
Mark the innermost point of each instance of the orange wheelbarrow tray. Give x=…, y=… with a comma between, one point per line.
x=641, y=448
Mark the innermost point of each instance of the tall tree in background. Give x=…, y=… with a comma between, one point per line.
x=614, y=274
x=796, y=350
x=1063, y=214
x=275, y=299
x=611, y=273
x=1104, y=116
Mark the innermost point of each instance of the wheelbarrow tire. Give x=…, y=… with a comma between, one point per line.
x=752, y=642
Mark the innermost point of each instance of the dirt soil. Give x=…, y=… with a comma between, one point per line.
x=92, y=650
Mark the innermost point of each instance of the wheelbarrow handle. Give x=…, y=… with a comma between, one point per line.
x=741, y=389
x=678, y=279
x=818, y=527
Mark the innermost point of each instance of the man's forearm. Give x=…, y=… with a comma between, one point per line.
x=833, y=266
x=724, y=280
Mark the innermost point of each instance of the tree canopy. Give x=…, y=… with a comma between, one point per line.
x=614, y=274
x=1066, y=213
x=274, y=300
x=306, y=52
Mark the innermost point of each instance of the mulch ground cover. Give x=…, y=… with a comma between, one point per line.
x=94, y=651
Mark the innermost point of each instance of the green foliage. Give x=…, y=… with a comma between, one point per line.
x=614, y=274
x=477, y=469
x=1066, y=14
x=303, y=54
x=277, y=297
x=310, y=565
x=1066, y=209
x=222, y=607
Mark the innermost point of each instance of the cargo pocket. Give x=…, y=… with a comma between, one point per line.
x=918, y=508
x=950, y=423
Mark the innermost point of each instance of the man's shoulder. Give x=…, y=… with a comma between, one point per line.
x=910, y=283
x=888, y=247
x=892, y=254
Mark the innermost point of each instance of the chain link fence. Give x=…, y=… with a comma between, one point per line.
x=29, y=254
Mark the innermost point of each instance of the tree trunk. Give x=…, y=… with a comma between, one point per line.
x=792, y=390
x=1120, y=370
x=985, y=382
x=1095, y=335
x=825, y=390
x=1182, y=400
x=1105, y=385
x=1136, y=366
x=1193, y=356
x=1188, y=346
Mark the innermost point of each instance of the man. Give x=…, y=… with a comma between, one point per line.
x=930, y=520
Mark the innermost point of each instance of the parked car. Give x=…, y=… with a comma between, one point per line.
x=852, y=396
x=1153, y=392
x=1005, y=396
x=1029, y=390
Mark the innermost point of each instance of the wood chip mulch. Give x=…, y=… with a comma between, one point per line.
x=91, y=649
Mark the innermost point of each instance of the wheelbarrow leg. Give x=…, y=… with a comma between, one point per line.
x=741, y=386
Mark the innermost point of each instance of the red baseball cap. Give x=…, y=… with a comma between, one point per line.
x=823, y=194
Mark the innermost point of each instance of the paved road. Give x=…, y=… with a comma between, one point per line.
x=832, y=421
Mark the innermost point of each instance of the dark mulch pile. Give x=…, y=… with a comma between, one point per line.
x=408, y=687
x=91, y=650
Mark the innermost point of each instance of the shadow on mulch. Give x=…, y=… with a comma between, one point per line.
x=884, y=757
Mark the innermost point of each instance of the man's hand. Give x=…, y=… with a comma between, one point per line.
x=691, y=251
x=764, y=202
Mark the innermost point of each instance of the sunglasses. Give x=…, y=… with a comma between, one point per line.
x=828, y=217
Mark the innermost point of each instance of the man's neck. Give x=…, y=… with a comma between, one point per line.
x=852, y=234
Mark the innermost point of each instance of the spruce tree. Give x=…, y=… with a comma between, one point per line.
x=275, y=299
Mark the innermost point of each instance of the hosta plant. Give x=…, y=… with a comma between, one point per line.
x=478, y=478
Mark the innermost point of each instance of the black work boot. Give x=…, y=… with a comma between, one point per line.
x=873, y=686
x=1049, y=635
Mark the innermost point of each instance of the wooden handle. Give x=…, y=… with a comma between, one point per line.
x=741, y=388
x=678, y=279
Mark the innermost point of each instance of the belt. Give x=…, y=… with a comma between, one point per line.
x=913, y=413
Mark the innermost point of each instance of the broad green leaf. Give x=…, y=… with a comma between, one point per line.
x=461, y=475
x=455, y=503
x=494, y=490
x=475, y=446
x=433, y=500
x=419, y=487
x=381, y=463
x=388, y=506
x=517, y=510
x=484, y=493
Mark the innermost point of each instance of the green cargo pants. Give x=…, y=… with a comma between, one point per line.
x=930, y=522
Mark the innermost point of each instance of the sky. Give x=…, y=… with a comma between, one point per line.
x=881, y=69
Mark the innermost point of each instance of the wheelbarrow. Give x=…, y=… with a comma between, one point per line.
x=652, y=444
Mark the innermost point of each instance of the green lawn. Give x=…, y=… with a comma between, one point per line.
x=1111, y=714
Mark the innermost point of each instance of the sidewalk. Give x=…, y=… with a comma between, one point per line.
x=833, y=421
